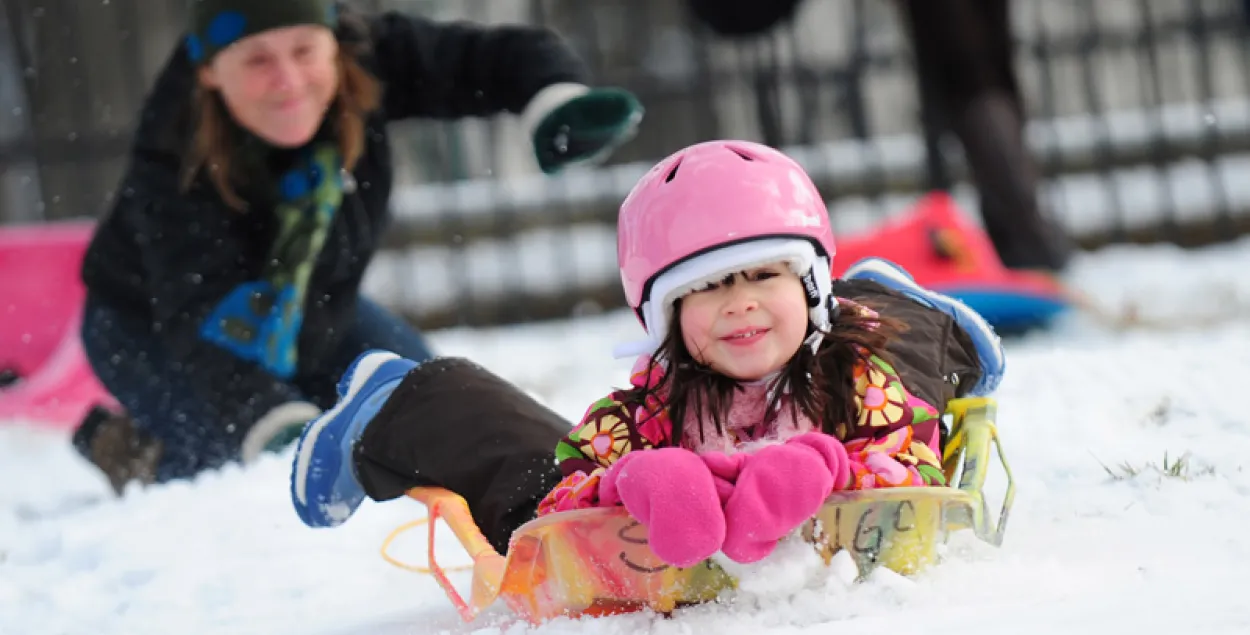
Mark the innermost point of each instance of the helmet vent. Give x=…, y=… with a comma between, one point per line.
x=672, y=174
x=741, y=153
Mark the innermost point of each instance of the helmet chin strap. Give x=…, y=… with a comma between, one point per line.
x=817, y=336
x=822, y=308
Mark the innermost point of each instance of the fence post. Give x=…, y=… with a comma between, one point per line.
x=85, y=81
x=19, y=175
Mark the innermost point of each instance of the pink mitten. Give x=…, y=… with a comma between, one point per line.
x=833, y=453
x=779, y=488
x=672, y=493
x=877, y=469
x=725, y=469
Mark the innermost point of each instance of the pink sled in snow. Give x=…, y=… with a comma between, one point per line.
x=47, y=380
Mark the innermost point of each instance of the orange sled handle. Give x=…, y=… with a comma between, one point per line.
x=488, y=565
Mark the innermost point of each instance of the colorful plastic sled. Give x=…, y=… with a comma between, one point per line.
x=945, y=251
x=596, y=562
x=41, y=298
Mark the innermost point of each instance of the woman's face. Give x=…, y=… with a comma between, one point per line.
x=278, y=84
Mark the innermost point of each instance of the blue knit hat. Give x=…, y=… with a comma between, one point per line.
x=215, y=24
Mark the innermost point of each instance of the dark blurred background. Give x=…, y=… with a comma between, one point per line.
x=1138, y=115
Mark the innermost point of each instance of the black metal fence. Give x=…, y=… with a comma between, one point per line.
x=1139, y=116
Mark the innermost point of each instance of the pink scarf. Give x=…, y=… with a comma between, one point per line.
x=744, y=426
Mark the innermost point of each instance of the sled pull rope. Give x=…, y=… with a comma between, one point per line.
x=390, y=538
x=488, y=566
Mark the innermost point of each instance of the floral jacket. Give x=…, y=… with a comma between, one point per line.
x=894, y=442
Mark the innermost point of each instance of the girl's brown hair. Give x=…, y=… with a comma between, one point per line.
x=820, y=384
x=216, y=135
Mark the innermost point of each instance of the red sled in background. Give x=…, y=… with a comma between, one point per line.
x=45, y=379
x=946, y=252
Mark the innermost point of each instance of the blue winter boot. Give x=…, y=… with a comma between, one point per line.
x=324, y=487
x=989, y=348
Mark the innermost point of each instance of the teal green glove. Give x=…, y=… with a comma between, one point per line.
x=277, y=430
x=586, y=129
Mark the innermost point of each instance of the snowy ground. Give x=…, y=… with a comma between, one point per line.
x=1086, y=552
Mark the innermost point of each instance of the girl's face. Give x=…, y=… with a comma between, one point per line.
x=278, y=84
x=749, y=324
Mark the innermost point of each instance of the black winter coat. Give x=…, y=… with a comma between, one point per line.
x=167, y=256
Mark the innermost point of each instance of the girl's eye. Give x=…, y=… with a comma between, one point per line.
x=712, y=286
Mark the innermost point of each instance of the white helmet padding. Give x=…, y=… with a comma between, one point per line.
x=695, y=273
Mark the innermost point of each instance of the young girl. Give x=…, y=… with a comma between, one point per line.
x=763, y=384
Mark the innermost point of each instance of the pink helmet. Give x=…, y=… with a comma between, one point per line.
x=712, y=195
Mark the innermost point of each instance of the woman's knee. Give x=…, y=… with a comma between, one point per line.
x=116, y=352
x=378, y=328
